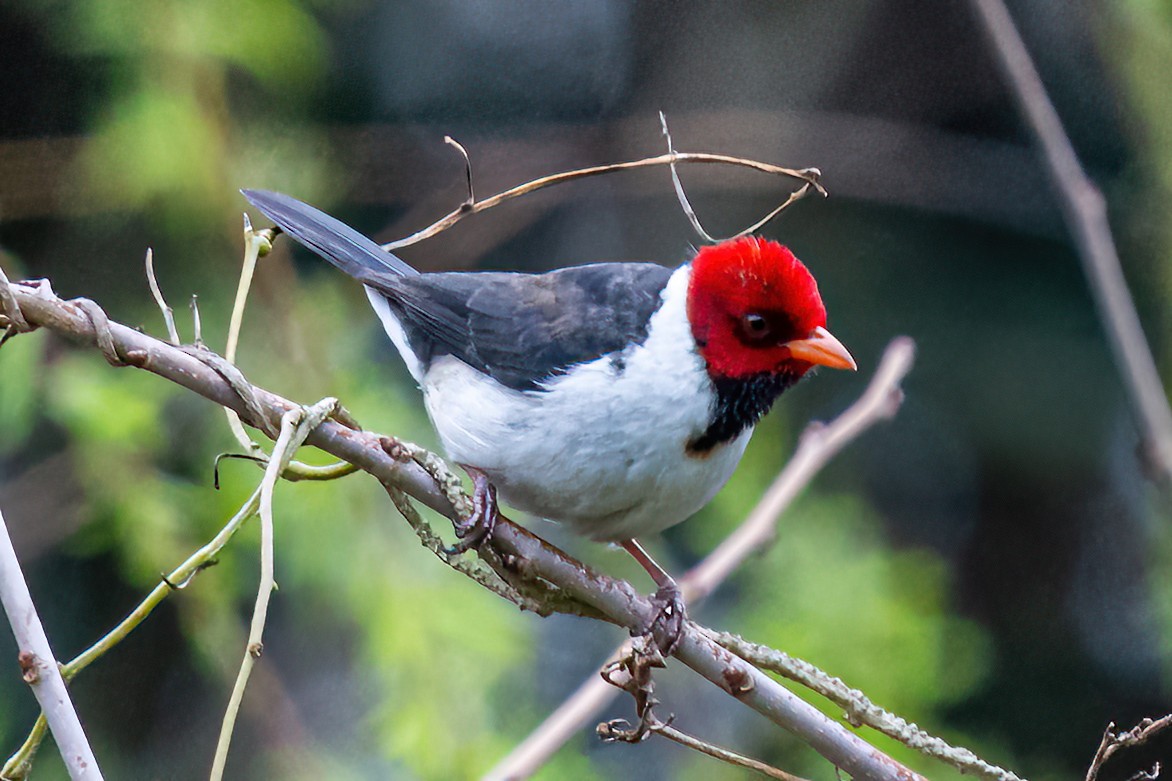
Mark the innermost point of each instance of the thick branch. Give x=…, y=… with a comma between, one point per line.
x=859, y=709
x=529, y=555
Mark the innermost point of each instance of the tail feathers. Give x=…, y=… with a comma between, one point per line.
x=335, y=241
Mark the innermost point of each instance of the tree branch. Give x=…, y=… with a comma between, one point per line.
x=39, y=667
x=1085, y=211
x=524, y=553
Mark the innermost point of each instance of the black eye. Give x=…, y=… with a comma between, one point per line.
x=755, y=326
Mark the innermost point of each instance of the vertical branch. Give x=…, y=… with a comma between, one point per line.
x=296, y=424
x=256, y=243
x=39, y=666
x=1085, y=211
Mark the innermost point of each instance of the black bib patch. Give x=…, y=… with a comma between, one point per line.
x=740, y=403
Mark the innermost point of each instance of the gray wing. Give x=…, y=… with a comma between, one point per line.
x=521, y=329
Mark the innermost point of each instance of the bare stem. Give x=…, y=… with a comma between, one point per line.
x=254, y=243
x=17, y=765
x=39, y=666
x=296, y=424
x=723, y=754
x=168, y=312
x=1085, y=211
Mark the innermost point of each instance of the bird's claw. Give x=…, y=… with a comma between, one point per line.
x=477, y=527
x=671, y=613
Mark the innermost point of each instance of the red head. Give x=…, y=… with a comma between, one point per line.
x=755, y=310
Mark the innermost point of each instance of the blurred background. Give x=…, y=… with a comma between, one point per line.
x=993, y=564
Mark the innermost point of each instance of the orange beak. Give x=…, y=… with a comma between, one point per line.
x=822, y=349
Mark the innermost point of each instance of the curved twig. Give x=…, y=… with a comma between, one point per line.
x=808, y=175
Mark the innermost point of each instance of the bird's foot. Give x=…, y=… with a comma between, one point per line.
x=477, y=527
x=671, y=613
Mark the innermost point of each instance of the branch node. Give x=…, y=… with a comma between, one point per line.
x=1147, y=775
x=10, y=310
x=101, y=325
x=1112, y=741
x=28, y=667
x=395, y=448
x=139, y=359
x=737, y=681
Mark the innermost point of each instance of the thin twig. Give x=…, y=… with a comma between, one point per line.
x=39, y=666
x=196, y=325
x=817, y=446
x=633, y=674
x=690, y=213
x=723, y=754
x=471, y=199
x=168, y=312
x=681, y=195
x=296, y=424
x=255, y=243
x=1085, y=211
x=1113, y=741
x=808, y=175
x=17, y=766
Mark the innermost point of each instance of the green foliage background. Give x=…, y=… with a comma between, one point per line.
x=379, y=662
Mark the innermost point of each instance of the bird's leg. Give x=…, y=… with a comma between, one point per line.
x=478, y=526
x=671, y=611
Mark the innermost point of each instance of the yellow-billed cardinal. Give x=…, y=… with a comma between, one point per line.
x=614, y=398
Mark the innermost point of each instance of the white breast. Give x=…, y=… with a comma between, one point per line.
x=603, y=449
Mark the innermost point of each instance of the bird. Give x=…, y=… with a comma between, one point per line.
x=614, y=398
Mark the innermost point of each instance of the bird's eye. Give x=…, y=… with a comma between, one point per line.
x=755, y=326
